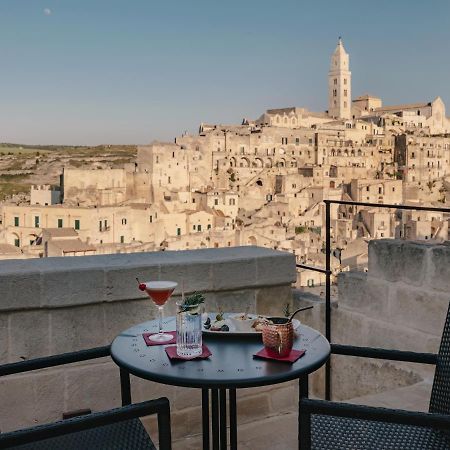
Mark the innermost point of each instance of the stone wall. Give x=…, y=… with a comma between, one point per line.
x=57, y=305
x=401, y=303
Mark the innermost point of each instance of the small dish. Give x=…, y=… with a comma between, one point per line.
x=242, y=321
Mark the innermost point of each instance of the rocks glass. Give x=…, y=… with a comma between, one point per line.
x=189, y=330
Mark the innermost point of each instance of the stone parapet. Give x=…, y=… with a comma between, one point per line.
x=400, y=303
x=67, y=282
x=58, y=305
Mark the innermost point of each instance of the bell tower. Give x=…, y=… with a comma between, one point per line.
x=340, y=84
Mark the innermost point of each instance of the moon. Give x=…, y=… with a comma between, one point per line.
x=47, y=11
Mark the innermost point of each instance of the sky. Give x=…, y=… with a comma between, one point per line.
x=131, y=71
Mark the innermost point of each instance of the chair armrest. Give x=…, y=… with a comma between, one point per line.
x=52, y=361
x=381, y=353
x=399, y=416
x=158, y=406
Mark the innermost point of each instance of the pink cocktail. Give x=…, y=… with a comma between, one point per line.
x=160, y=292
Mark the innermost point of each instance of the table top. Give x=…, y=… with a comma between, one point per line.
x=231, y=365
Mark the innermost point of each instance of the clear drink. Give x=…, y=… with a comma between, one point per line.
x=189, y=331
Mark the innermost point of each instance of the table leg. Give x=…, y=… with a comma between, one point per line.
x=125, y=387
x=233, y=419
x=223, y=419
x=205, y=418
x=215, y=418
x=303, y=392
x=218, y=414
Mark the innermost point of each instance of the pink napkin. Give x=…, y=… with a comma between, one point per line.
x=171, y=351
x=292, y=357
x=147, y=340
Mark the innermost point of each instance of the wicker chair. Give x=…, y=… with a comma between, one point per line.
x=331, y=426
x=116, y=429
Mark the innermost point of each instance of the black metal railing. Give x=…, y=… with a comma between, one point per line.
x=328, y=272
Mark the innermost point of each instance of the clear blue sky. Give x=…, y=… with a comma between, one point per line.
x=130, y=71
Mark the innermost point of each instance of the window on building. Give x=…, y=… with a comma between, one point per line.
x=77, y=224
x=124, y=221
x=194, y=227
x=122, y=239
x=151, y=219
x=216, y=201
x=105, y=223
x=310, y=282
x=297, y=141
x=178, y=231
x=16, y=221
x=36, y=221
x=100, y=226
x=209, y=226
x=335, y=81
x=60, y=223
x=17, y=242
x=380, y=190
x=199, y=227
x=168, y=180
x=345, y=92
x=367, y=188
x=345, y=80
x=345, y=104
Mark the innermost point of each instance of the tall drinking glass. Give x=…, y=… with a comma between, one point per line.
x=189, y=330
x=160, y=292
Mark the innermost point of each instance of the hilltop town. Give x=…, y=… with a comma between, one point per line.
x=260, y=182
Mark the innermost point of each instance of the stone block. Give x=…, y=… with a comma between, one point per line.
x=77, y=328
x=68, y=288
x=354, y=377
x=284, y=398
x=49, y=389
x=142, y=390
x=420, y=309
x=29, y=335
x=187, y=398
x=19, y=409
x=439, y=275
x=272, y=301
x=4, y=338
x=236, y=274
x=276, y=269
x=364, y=294
x=93, y=386
x=20, y=290
x=395, y=260
x=252, y=407
x=121, y=282
x=195, y=275
x=232, y=301
x=120, y=316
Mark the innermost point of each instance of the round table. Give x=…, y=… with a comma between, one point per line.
x=231, y=366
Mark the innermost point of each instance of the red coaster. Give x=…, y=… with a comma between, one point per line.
x=292, y=357
x=149, y=342
x=171, y=351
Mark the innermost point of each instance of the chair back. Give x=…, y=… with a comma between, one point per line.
x=440, y=394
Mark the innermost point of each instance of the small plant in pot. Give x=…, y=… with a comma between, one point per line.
x=191, y=304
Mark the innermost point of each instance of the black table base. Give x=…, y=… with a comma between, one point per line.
x=214, y=407
x=214, y=410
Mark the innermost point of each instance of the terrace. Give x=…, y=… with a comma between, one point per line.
x=57, y=305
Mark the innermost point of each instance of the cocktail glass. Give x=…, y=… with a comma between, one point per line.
x=160, y=292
